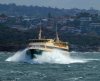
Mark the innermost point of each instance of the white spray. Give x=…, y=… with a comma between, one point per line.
x=56, y=56
x=19, y=56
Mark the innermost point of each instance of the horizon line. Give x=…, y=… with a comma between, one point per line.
x=91, y=8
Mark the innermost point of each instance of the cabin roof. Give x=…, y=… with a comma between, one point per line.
x=40, y=40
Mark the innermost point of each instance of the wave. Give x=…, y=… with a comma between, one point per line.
x=56, y=56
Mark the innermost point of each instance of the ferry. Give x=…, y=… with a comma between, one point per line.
x=37, y=46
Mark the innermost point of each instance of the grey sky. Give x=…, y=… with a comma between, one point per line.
x=58, y=3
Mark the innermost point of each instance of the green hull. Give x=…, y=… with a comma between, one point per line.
x=33, y=52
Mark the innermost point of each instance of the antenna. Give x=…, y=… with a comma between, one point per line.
x=57, y=37
x=40, y=32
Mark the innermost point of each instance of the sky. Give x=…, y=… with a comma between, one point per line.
x=67, y=4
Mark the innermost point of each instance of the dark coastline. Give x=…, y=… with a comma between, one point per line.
x=79, y=27
x=12, y=48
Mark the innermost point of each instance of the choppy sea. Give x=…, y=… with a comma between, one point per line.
x=77, y=66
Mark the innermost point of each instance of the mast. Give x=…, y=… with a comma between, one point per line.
x=57, y=36
x=40, y=32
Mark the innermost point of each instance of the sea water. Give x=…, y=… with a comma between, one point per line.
x=74, y=66
x=56, y=56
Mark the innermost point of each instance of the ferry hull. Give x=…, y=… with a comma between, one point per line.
x=33, y=52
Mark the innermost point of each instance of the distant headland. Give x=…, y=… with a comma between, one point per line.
x=18, y=24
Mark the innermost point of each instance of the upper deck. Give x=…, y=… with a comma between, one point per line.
x=40, y=40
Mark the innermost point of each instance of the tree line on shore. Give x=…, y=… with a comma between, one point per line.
x=19, y=39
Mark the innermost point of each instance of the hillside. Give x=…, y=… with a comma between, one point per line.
x=12, y=39
x=14, y=10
